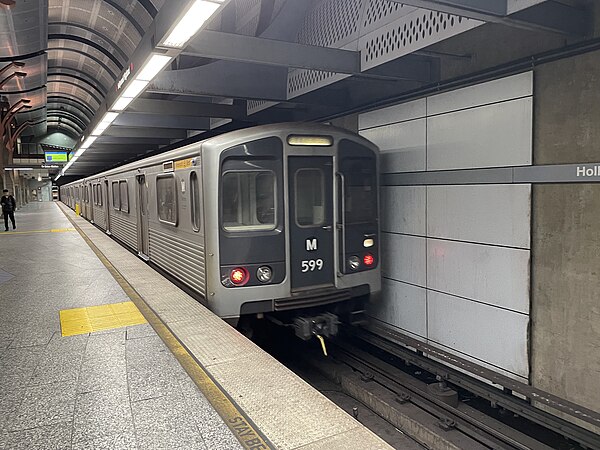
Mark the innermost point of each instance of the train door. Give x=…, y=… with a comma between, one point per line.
x=91, y=202
x=311, y=221
x=107, y=210
x=142, y=216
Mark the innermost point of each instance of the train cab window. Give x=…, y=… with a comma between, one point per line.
x=248, y=201
x=310, y=197
x=360, y=189
x=124, y=196
x=195, y=201
x=166, y=195
x=115, y=195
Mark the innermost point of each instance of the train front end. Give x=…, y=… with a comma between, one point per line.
x=296, y=232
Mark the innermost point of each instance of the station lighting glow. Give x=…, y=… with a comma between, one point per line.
x=153, y=67
x=89, y=141
x=108, y=118
x=122, y=103
x=191, y=22
x=135, y=88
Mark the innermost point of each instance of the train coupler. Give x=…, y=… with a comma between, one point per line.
x=325, y=325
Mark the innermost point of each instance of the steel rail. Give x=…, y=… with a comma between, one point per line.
x=388, y=341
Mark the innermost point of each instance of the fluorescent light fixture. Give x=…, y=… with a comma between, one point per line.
x=122, y=103
x=135, y=88
x=100, y=129
x=190, y=23
x=21, y=168
x=109, y=117
x=89, y=141
x=153, y=67
x=58, y=176
x=78, y=153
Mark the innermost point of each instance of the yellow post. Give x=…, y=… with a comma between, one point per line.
x=77, y=209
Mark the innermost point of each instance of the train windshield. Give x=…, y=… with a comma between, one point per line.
x=360, y=175
x=248, y=200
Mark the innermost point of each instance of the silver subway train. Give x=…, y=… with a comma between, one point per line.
x=278, y=221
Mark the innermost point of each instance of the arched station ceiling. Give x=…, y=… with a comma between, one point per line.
x=257, y=61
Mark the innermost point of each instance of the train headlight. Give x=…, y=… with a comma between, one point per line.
x=264, y=274
x=239, y=276
x=354, y=262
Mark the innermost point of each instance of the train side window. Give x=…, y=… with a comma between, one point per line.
x=115, y=195
x=310, y=197
x=248, y=201
x=195, y=201
x=166, y=195
x=124, y=196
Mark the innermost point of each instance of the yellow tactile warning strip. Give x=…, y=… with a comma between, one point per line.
x=241, y=426
x=55, y=230
x=98, y=318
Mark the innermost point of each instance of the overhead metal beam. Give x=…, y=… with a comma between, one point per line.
x=109, y=140
x=192, y=109
x=143, y=132
x=237, y=80
x=548, y=16
x=167, y=121
x=234, y=47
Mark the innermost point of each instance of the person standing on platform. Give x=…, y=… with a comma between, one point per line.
x=8, y=208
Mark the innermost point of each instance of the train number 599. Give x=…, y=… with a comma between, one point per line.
x=311, y=265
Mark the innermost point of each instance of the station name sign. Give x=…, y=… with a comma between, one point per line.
x=125, y=76
x=587, y=171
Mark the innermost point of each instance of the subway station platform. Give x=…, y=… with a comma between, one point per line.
x=98, y=350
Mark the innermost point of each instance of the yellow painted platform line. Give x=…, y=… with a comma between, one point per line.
x=238, y=422
x=54, y=230
x=98, y=318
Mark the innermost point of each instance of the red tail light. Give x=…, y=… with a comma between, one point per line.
x=239, y=276
x=368, y=259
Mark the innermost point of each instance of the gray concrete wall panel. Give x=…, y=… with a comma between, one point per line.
x=403, y=209
x=566, y=236
x=456, y=231
x=393, y=114
x=496, y=276
x=409, y=305
x=402, y=145
x=502, y=89
x=487, y=214
x=488, y=136
x=492, y=336
x=413, y=251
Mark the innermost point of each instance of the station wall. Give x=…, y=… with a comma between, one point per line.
x=456, y=256
x=566, y=234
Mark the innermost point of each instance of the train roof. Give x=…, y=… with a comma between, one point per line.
x=230, y=138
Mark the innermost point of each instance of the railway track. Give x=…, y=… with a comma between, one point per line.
x=436, y=418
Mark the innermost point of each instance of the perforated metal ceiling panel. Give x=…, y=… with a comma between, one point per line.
x=381, y=30
x=90, y=41
x=22, y=28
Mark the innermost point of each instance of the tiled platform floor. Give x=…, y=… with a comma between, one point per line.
x=118, y=389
